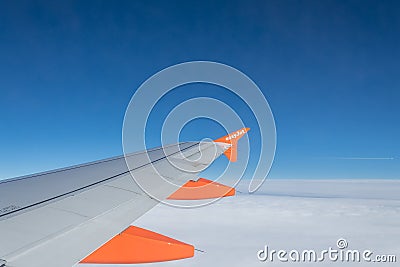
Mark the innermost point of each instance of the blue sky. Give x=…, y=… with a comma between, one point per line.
x=329, y=69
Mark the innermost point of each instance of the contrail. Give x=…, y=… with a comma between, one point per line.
x=363, y=158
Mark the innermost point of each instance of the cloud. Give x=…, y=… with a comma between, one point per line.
x=362, y=158
x=232, y=230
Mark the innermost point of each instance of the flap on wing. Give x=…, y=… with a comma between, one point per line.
x=202, y=189
x=138, y=245
x=232, y=140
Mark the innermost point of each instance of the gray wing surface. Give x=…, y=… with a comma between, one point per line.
x=58, y=217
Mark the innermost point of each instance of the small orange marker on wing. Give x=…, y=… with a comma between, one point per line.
x=202, y=189
x=137, y=245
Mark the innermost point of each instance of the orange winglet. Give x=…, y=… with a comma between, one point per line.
x=232, y=139
x=202, y=189
x=138, y=245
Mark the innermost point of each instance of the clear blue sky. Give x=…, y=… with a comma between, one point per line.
x=329, y=69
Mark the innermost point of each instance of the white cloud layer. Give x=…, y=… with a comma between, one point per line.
x=286, y=214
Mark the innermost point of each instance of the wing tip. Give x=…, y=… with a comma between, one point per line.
x=232, y=139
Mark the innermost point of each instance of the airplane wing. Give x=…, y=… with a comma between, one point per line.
x=58, y=218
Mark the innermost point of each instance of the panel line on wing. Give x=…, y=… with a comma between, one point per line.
x=120, y=188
